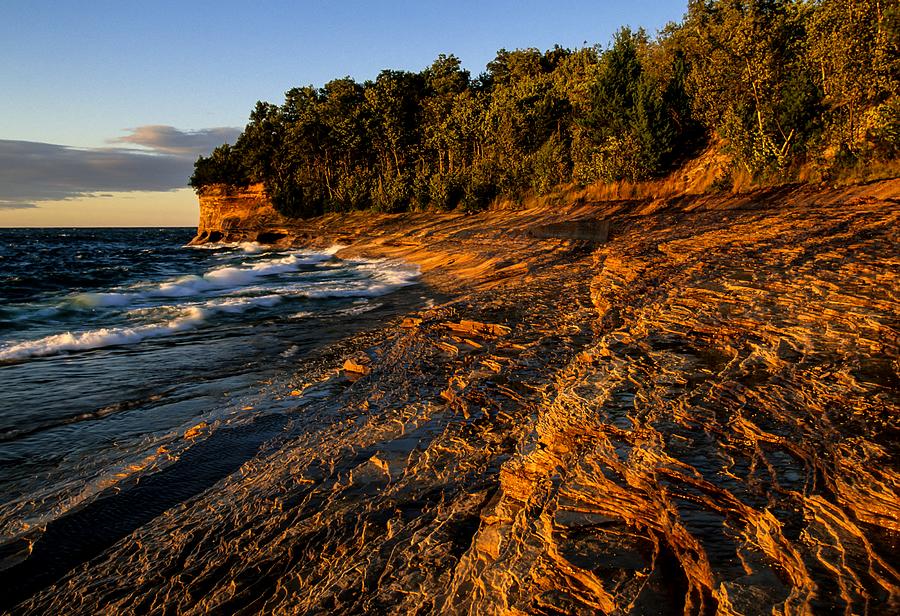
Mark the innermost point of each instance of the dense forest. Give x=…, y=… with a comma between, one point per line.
x=788, y=88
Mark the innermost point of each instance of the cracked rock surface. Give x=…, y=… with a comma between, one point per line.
x=698, y=416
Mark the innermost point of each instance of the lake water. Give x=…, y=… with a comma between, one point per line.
x=114, y=343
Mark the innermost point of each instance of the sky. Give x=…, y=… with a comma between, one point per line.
x=105, y=105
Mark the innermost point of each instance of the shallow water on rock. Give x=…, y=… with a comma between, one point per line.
x=697, y=417
x=116, y=343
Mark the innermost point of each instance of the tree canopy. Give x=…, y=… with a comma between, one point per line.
x=781, y=83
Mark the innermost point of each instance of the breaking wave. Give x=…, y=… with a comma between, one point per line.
x=224, y=278
x=99, y=338
x=150, y=310
x=247, y=247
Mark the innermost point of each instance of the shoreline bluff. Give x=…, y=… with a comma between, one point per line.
x=692, y=410
x=478, y=248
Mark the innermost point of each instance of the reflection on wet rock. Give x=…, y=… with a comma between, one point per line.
x=698, y=416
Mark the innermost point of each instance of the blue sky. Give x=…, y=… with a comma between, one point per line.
x=114, y=75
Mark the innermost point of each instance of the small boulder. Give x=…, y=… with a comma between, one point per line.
x=360, y=365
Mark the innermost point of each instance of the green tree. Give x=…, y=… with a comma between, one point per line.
x=635, y=117
x=224, y=166
x=853, y=54
x=747, y=80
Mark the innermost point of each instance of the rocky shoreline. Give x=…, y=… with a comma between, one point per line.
x=695, y=413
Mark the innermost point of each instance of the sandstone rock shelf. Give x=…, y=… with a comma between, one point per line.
x=697, y=416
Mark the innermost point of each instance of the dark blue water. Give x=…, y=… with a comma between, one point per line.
x=115, y=342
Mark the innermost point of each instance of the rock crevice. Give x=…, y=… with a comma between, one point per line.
x=697, y=416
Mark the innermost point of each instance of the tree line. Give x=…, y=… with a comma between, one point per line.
x=783, y=85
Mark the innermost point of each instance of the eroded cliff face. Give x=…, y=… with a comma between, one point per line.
x=229, y=214
x=697, y=416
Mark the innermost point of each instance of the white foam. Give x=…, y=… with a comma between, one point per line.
x=225, y=278
x=99, y=338
x=228, y=290
x=95, y=300
x=359, y=309
x=384, y=277
x=248, y=247
x=291, y=351
x=190, y=317
x=229, y=305
x=241, y=304
x=252, y=247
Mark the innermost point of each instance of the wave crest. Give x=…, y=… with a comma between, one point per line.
x=99, y=338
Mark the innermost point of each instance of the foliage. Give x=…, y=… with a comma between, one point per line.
x=223, y=166
x=637, y=116
x=783, y=83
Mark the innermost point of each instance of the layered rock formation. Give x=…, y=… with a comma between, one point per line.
x=229, y=214
x=697, y=416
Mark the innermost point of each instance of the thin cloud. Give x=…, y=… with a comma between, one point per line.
x=13, y=205
x=31, y=172
x=170, y=140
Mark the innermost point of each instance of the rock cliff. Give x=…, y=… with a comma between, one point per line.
x=229, y=214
